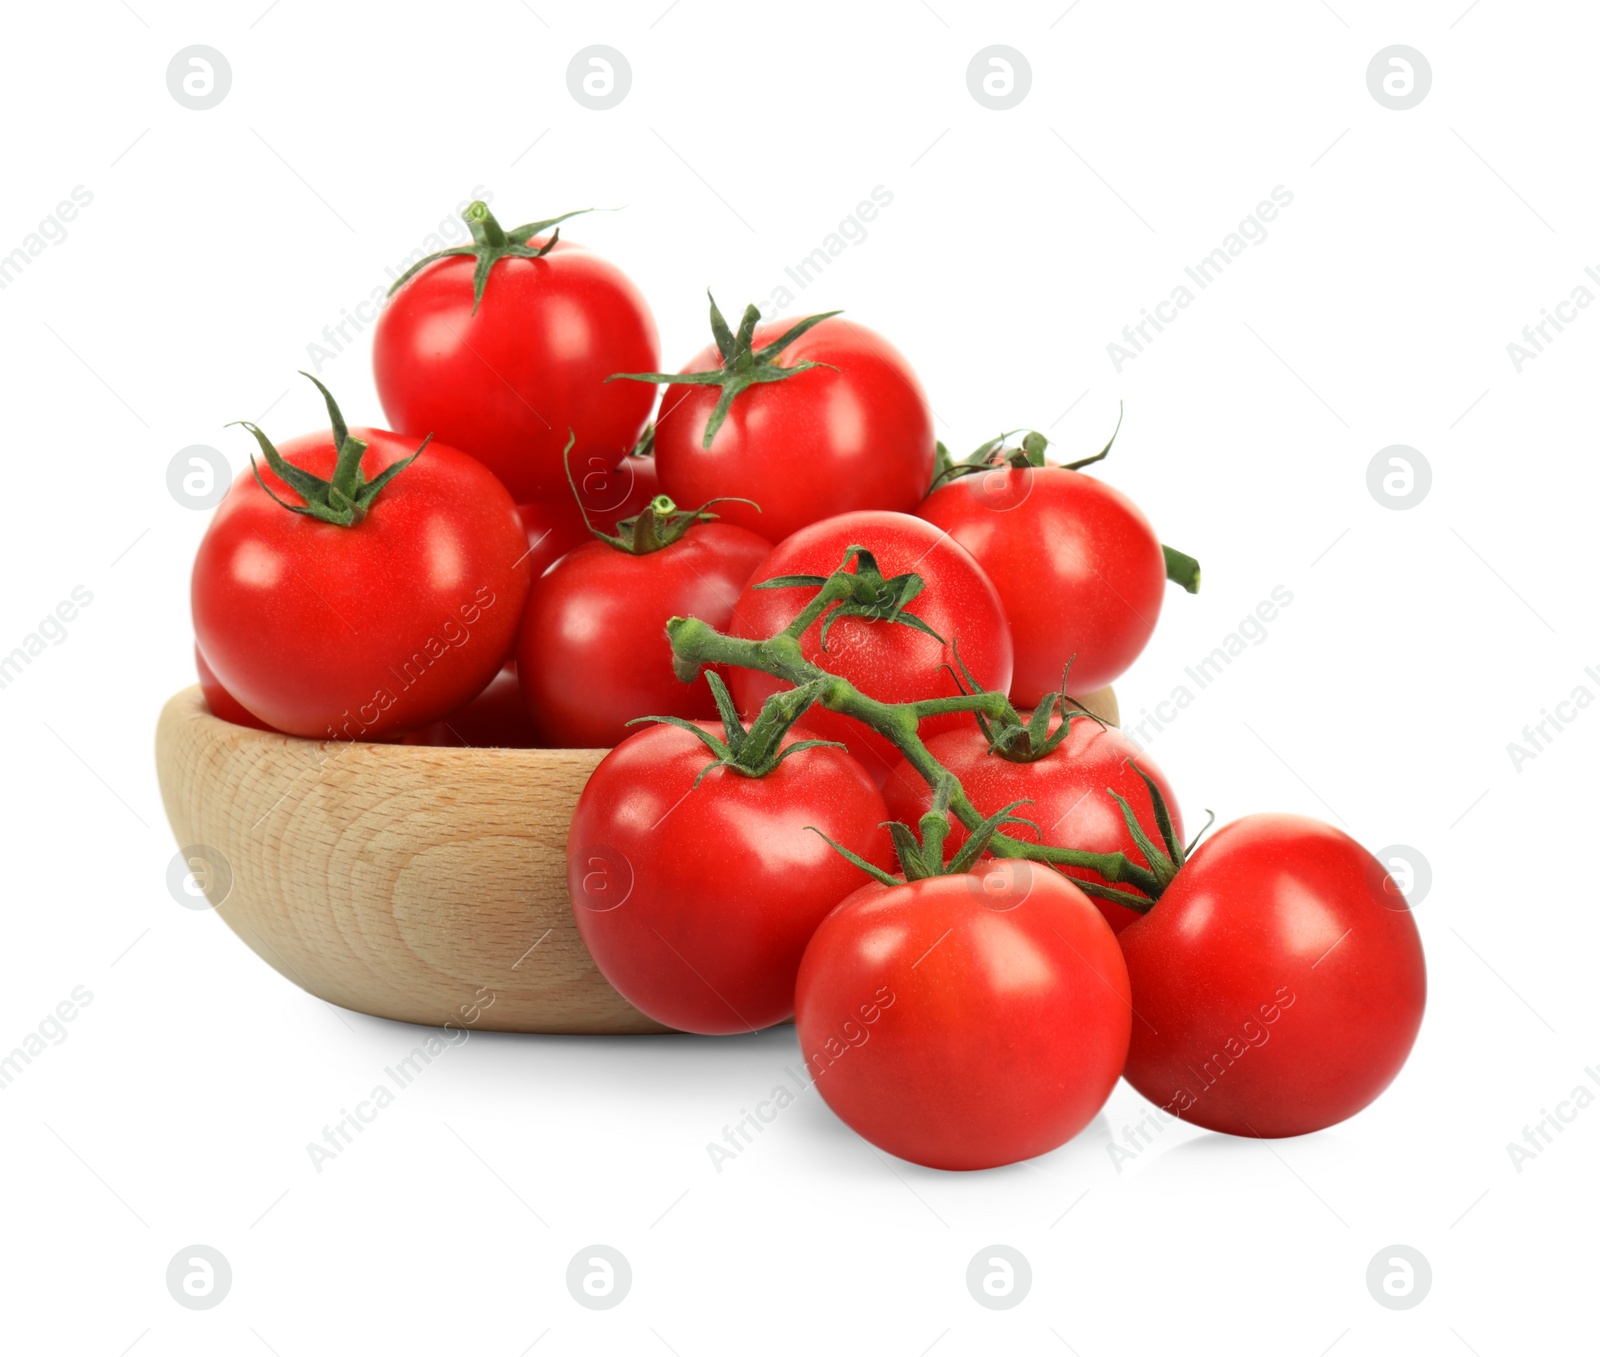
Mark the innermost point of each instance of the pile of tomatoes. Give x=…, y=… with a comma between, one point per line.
x=847, y=784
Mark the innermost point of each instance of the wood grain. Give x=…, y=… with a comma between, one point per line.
x=406, y=882
x=395, y=880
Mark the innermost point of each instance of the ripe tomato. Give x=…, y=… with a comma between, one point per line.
x=1279, y=981
x=367, y=630
x=854, y=434
x=968, y=1021
x=608, y=494
x=593, y=652
x=889, y=661
x=697, y=901
x=1078, y=567
x=502, y=347
x=1069, y=788
x=497, y=718
x=221, y=703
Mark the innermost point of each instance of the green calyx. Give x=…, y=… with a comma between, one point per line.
x=756, y=751
x=743, y=365
x=491, y=243
x=921, y=851
x=1017, y=740
x=345, y=499
x=1028, y=454
x=1001, y=452
x=1165, y=858
x=659, y=524
x=865, y=592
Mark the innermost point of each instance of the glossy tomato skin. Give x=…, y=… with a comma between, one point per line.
x=593, y=652
x=888, y=661
x=1077, y=565
x=810, y=446
x=368, y=631
x=507, y=384
x=1066, y=789
x=697, y=902
x=221, y=703
x=1280, y=980
x=964, y=1022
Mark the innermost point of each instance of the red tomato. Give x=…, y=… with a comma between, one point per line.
x=358, y=632
x=697, y=902
x=554, y=528
x=1279, y=981
x=222, y=704
x=1078, y=567
x=593, y=652
x=1067, y=788
x=609, y=494
x=811, y=445
x=497, y=718
x=506, y=371
x=889, y=661
x=965, y=1022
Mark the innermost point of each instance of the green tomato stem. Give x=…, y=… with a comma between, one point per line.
x=696, y=644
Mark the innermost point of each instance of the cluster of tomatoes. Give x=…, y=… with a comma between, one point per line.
x=846, y=784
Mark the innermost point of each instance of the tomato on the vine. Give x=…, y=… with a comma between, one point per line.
x=840, y=424
x=965, y=1021
x=593, y=652
x=697, y=886
x=1071, y=782
x=899, y=644
x=502, y=347
x=354, y=588
x=1279, y=981
x=1077, y=565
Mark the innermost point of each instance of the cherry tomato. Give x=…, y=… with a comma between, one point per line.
x=554, y=528
x=593, y=651
x=1069, y=790
x=1279, y=981
x=889, y=661
x=222, y=704
x=497, y=718
x=361, y=631
x=608, y=494
x=1078, y=567
x=965, y=1022
x=697, y=901
x=505, y=371
x=826, y=440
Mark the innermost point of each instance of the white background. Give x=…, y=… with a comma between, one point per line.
x=1018, y=244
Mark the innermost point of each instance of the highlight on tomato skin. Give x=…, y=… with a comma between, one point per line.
x=837, y=421
x=417, y=540
x=1047, y=535
x=506, y=371
x=696, y=888
x=965, y=1021
x=592, y=653
x=1282, y=979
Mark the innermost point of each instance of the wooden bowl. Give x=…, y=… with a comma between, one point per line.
x=425, y=885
